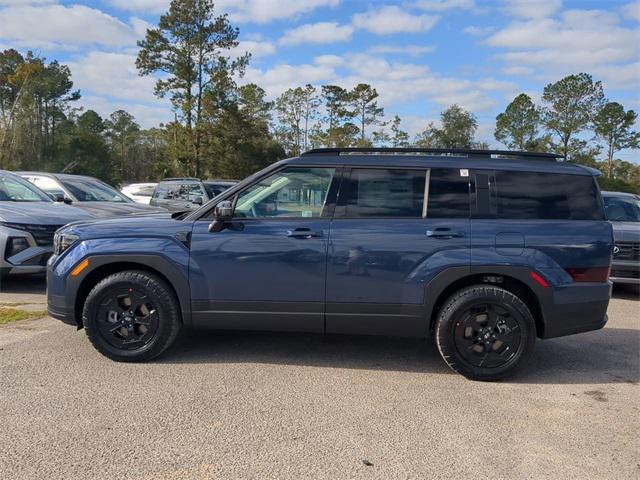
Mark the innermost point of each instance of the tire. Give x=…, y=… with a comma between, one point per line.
x=485, y=332
x=131, y=316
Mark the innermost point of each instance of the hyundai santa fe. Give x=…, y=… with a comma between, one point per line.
x=484, y=251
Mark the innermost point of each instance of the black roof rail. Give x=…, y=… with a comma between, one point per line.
x=468, y=152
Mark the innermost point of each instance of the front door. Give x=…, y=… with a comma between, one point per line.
x=266, y=271
x=393, y=231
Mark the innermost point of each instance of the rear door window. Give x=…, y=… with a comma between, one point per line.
x=379, y=192
x=546, y=196
x=448, y=193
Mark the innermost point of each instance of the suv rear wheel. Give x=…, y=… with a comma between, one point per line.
x=131, y=316
x=485, y=332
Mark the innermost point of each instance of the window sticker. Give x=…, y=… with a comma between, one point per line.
x=464, y=172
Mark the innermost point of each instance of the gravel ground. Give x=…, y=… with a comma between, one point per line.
x=240, y=405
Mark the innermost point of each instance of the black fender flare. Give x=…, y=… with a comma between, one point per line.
x=176, y=278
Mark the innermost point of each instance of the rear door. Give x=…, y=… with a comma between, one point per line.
x=393, y=230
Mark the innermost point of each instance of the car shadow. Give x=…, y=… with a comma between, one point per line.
x=605, y=356
x=35, y=284
x=626, y=292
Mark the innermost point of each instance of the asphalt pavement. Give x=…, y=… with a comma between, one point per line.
x=258, y=405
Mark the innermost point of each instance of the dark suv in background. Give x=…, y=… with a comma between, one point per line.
x=183, y=194
x=623, y=211
x=483, y=250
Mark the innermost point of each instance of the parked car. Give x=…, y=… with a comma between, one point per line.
x=88, y=193
x=28, y=220
x=184, y=194
x=483, y=250
x=139, y=192
x=623, y=211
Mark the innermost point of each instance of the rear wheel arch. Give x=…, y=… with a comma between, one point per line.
x=446, y=284
x=99, y=273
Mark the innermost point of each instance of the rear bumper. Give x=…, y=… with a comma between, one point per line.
x=625, y=271
x=577, y=308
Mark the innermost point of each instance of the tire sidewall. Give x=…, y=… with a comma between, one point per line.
x=463, y=301
x=142, y=282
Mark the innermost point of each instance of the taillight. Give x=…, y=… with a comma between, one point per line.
x=589, y=274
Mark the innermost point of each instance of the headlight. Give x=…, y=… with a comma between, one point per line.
x=15, y=245
x=62, y=241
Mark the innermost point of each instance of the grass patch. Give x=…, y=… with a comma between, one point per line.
x=8, y=315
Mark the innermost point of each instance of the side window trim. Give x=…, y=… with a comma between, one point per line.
x=425, y=199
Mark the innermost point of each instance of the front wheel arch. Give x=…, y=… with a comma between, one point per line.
x=101, y=272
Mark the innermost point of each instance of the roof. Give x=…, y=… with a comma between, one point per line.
x=606, y=193
x=442, y=158
x=55, y=175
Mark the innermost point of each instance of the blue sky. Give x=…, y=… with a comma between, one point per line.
x=421, y=55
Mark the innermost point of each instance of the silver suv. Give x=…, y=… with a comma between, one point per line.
x=28, y=220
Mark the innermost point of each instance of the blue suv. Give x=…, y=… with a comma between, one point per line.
x=483, y=250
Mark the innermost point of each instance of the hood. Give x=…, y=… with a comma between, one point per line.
x=116, y=209
x=41, y=213
x=626, y=231
x=141, y=226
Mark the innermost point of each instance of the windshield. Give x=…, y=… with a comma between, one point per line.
x=622, y=209
x=90, y=190
x=14, y=189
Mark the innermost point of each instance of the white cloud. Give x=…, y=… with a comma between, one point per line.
x=256, y=48
x=258, y=11
x=140, y=26
x=322, y=32
x=579, y=40
x=112, y=74
x=4, y=3
x=443, y=5
x=478, y=31
x=412, y=50
x=532, y=8
x=60, y=26
x=393, y=19
x=632, y=11
x=397, y=82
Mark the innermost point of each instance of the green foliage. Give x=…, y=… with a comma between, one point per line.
x=340, y=131
x=190, y=48
x=457, y=131
x=613, y=126
x=570, y=106
x=363, y=99
x=519, y=125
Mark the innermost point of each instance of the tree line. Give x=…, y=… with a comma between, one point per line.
x=227, y=130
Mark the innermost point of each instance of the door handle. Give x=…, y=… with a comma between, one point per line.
x=304, y=233
x=444, y=233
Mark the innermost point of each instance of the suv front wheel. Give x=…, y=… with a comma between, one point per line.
x=485, y=332
x=131, y=316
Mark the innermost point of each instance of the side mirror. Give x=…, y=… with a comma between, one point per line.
x=60, y=197
x=222, y=214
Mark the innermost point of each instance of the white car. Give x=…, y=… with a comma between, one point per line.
x=139, y=192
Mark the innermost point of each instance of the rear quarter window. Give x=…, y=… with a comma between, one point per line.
x=546, y=196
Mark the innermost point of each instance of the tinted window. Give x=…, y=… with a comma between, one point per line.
x=448, y=194
x=384, y=193
x=622, y=209
x=92, y=190
x=292, y=192
x=549, y=196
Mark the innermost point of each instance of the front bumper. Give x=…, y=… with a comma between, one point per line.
x=31, y=260
x=625, y=272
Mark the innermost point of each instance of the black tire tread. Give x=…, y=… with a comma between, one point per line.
x=462, y=296
x=164, y=296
